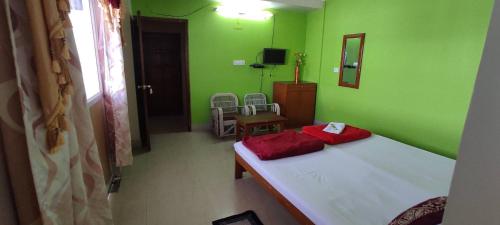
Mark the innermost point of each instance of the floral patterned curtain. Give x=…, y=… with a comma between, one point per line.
x=52, y=184
x=13, y=146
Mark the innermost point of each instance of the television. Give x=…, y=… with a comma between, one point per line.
x=274, y=56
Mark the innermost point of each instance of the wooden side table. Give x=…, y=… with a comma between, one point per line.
x=244, y=124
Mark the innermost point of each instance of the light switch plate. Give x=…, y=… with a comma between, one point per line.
x=336, y=69
x=239, y=62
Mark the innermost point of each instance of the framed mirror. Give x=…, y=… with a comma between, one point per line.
x=352, y=59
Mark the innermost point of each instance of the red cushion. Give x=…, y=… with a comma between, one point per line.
x=349, y=134
x=429, y=212
x=285, y=144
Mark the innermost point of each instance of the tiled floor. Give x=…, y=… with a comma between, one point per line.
x=188, y=179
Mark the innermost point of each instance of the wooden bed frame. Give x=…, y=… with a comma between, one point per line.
x=241, y=166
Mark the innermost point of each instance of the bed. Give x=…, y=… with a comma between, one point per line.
x=366, y=182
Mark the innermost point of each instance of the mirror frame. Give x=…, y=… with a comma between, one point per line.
x=360, y=61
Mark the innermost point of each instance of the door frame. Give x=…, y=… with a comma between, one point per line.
x=162, y=25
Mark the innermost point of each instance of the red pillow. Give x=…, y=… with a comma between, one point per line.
x=429, y=212
x=349, y=134
x=285, y=144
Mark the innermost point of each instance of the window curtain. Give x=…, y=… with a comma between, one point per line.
x=13, y=145
x=46, y=136
x=113, y=81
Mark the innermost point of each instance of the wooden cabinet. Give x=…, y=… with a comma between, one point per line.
x=297, y=102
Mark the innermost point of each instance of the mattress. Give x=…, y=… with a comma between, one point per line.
x=366, y=182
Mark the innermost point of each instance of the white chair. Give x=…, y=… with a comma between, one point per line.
x=224, y=107
x=257, y=103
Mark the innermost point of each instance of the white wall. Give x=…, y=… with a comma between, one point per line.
x=475, y=192
x=128, y=59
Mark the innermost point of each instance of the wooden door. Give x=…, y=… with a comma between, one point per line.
x=162, y=62
x=141, y=81
x=162, y=71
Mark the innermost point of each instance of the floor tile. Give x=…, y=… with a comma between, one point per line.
x=188, y=179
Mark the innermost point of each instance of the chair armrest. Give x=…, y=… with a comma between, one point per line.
x=265, y=104
x=217, y=113
x=218, y=120
x=275, y=107
x=253, y=109
x=246, y=111
x=216, y=110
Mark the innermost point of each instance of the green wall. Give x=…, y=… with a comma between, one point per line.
x=314, y=46
x=215, y=41
x=419, y=66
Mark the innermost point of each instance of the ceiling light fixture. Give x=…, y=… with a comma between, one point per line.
x=244, y=9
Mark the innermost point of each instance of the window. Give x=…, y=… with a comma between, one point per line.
x=83, y=29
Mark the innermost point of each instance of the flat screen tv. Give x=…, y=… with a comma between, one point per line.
x=274, y=56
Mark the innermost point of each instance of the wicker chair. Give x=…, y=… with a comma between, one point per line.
x=224, y=107
x=257, y=103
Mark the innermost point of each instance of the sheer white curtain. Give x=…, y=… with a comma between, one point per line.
x=113, y=81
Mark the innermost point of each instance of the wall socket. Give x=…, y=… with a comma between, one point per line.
x=336, y=70
x=239, y=62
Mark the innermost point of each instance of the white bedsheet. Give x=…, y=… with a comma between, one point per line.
x=367, y=182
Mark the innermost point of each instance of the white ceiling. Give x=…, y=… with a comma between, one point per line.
x=292, y=4
x=304, y=4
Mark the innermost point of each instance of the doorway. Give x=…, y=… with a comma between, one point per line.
x=162, y=76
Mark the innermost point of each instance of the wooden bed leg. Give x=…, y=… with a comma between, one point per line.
x=238, y=170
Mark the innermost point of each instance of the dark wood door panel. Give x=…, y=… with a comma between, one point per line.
x=164, y=72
